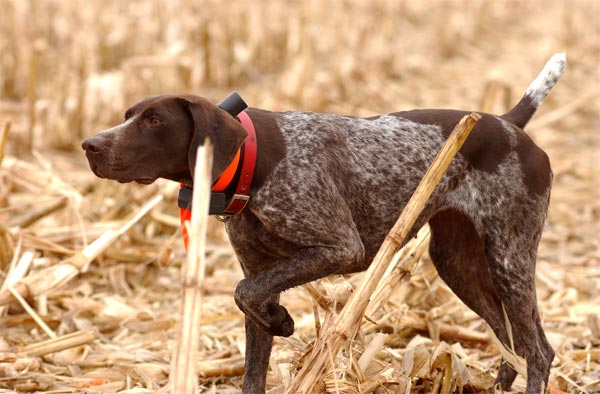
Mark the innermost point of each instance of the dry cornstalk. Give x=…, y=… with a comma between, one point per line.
x=32, y=94
x=490, y=95
x=18, y=268
x=407, y=259
x=233, y=366
x=3, y=139
x=41, y=212
x=592, y=354
x=401, y=384
x=32, y=313
x=318, y=296
x=193, y=272
x=53, y=345
x=345, y=326
x=57, y=275
x=6, y=246
x=371, y=350
x=455, y=332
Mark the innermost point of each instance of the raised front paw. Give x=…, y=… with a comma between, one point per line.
x=281, y=323
x=268, y=315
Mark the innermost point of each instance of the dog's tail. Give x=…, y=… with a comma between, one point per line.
x=537, y=91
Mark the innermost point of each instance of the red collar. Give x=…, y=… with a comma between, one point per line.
x=242, y=190
x=236, y=203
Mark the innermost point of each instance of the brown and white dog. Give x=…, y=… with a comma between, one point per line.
x=328, y=188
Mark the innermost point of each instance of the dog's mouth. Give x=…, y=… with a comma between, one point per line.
x=144, y=181
x=124, y=179
x=115, y=175
x=141, y=181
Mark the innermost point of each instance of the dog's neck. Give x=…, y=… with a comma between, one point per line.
x=270, y=145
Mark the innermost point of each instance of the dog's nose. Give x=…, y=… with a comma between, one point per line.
x=91, y=144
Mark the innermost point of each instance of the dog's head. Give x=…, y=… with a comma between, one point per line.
x=159, y=139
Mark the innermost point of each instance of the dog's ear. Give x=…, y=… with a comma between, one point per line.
x=224, y=131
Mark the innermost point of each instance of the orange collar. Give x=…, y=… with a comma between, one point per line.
x=227, y=176
x=222, y=203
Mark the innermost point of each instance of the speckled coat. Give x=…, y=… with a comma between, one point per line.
x=328, y=188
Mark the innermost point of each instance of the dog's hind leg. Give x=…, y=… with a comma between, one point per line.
x=457, y=252
x=512, y=269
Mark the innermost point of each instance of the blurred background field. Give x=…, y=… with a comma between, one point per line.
x=68, y=69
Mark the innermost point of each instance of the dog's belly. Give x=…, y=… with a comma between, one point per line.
x=375, y=218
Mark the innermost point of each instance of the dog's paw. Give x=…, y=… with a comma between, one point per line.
x=266, y=314
x=506, y=376
x=281, y=323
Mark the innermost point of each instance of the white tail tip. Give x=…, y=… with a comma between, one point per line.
x=543, y=83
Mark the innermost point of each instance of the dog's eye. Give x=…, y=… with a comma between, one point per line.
x=155, y=122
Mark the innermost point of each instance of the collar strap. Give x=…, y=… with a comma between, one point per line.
x=242, y=190
x=226, y=177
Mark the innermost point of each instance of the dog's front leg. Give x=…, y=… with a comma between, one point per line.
x=255, y=294
x=258, y=351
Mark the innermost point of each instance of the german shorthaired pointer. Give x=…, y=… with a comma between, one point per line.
x=327, y=189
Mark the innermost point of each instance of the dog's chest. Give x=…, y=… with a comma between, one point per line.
x=256, y=247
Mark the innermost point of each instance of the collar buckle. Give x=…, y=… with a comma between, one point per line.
x=237, y=203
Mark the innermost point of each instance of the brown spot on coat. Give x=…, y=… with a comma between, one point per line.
x=535, y=164
x=485, y=148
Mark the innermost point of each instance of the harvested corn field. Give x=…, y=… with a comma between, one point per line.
x=90, y=269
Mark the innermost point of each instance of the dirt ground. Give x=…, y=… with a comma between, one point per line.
x=70, y=69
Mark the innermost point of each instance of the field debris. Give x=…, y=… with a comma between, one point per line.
x=97, y=264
